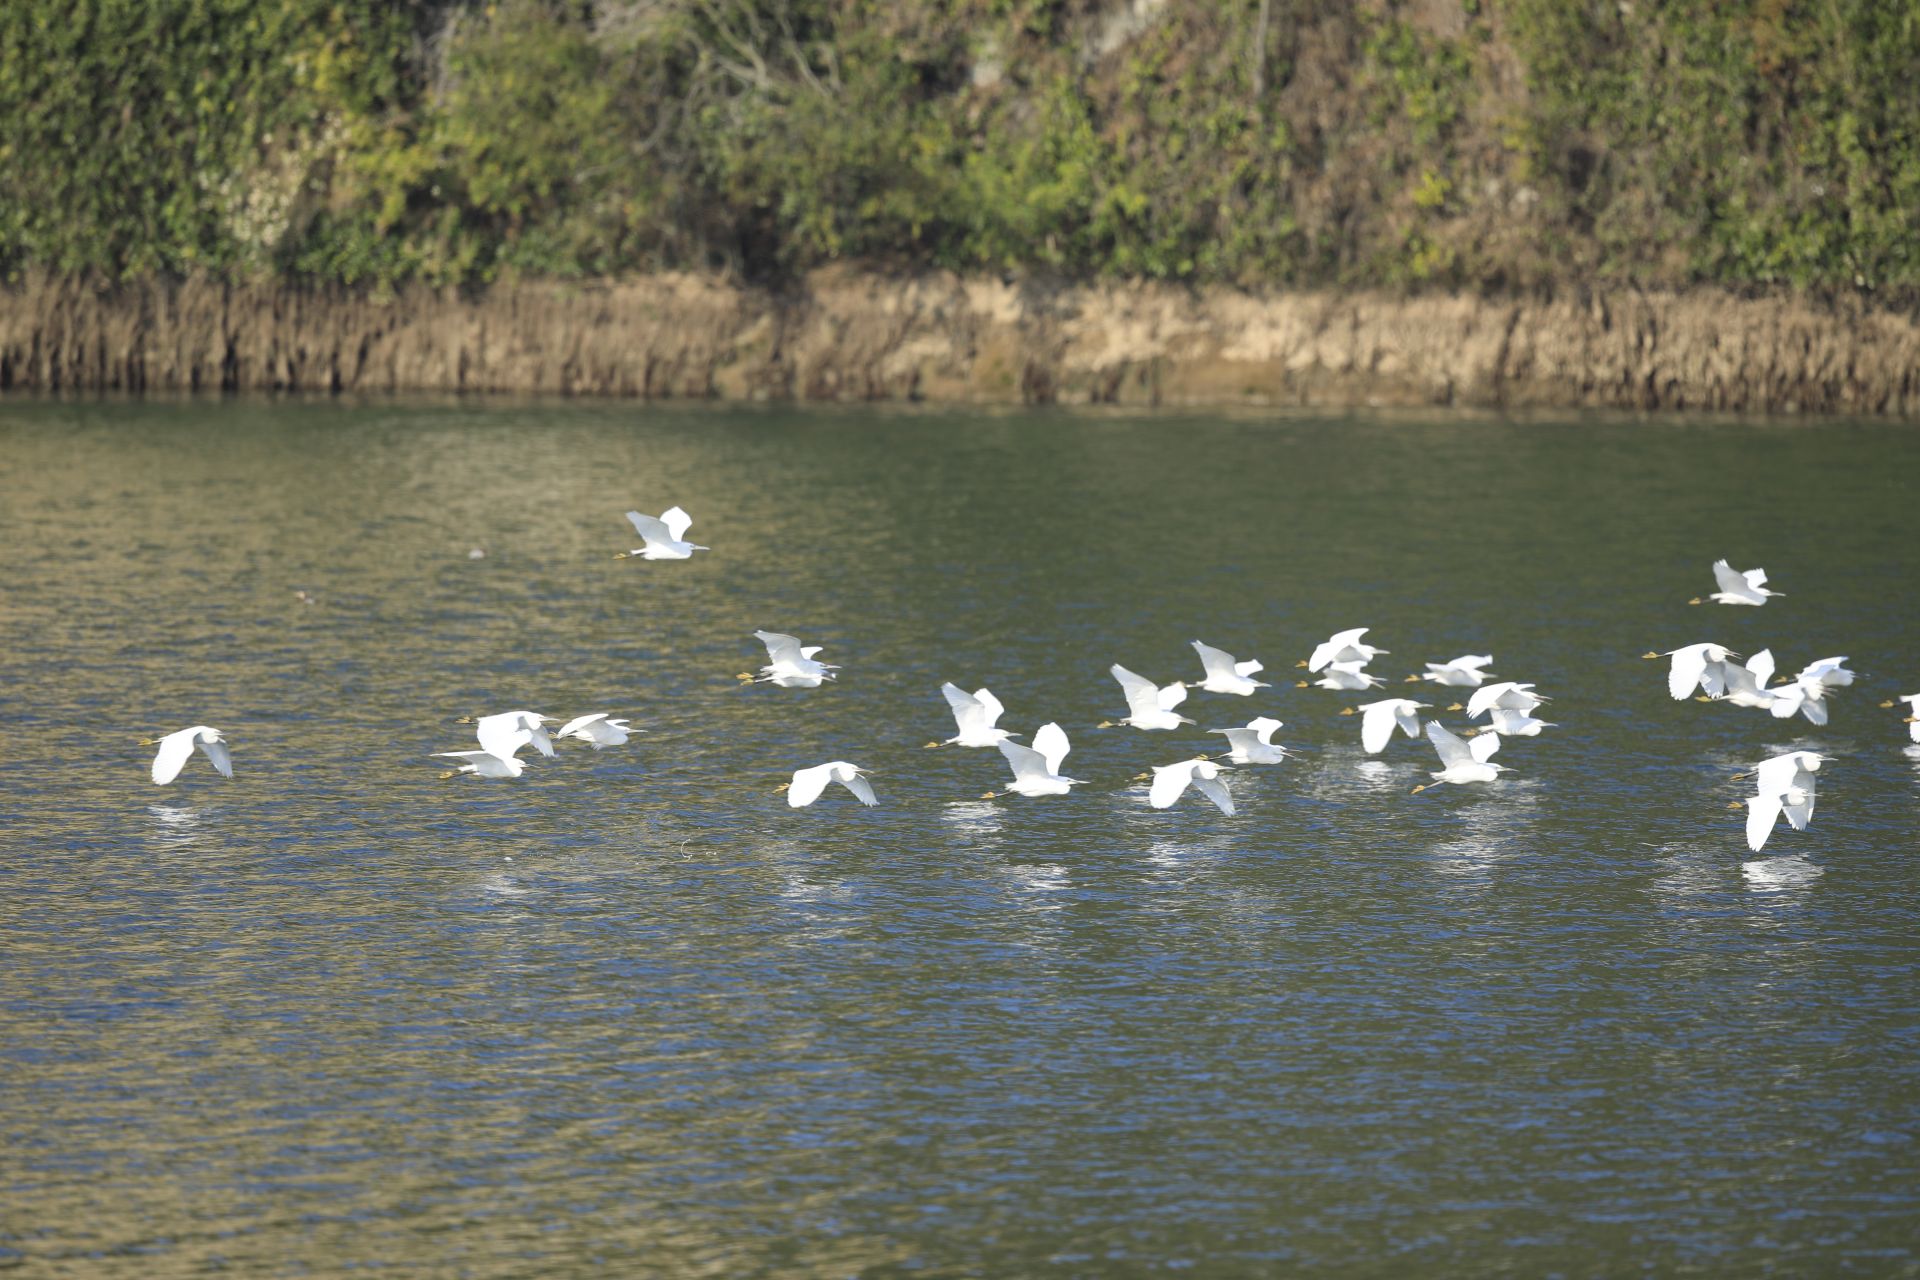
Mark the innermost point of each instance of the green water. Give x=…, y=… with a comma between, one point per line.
x=629, y=1014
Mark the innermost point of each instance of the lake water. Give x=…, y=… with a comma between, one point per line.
x=630, y=1014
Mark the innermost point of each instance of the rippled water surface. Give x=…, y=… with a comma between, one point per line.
x=630, y=1014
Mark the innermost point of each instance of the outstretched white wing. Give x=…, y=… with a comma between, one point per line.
x=968, y=713
x=1689, y=664
x=1216, y=791
x=807, y=785
x=1218, y=663
x=782, y=650
x=862, y=790
x=1797, y=800
x=1730, y=579
x=1169, y=780
x=1171, y=696
x=1050, y=740
x=1240, y=741
x=1330, y=650
x=175, y=749
x=568, y=729
x=1832, y=673
x=676, y=522
x=1143, y=696
x=651, y=531
x=1756, y=578
x=990, y=708
x=1376, y=725
x=1483, y=746
x=1762, y=813
x=217, y=752
x=1025, y=761
x=502, y=735
x=1451, y=746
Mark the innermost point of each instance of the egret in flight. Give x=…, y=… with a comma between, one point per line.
x=1036, y=769
x=1170, y=782
x=177, y=747
x=1783, y=784
x=807, y=784
x=1149, y=706
x=1342, y=646
x=1696, y=666
x=1462, y=761
x=1509, y=723
x=598, y=730
x=1739, y=586
x=482, y=764
x=1345, y=675
x=1465, y=672
x=1508, y=695
x=1379, y=719
x=1254, y=743
x=1224, y=675
x=664, y=537
x=975, y=714
x=507, y=732
x=789, y=665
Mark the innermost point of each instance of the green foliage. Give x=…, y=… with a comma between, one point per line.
x=452, y=141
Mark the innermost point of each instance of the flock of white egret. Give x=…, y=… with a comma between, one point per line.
x=1783, y=784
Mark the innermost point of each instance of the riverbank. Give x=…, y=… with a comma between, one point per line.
x=854, y=336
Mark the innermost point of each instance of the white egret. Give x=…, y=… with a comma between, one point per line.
x=1170, y=782
x=807, y=784
x=1508, y=695
x=789, y=664
x=1739, y=586
x=1783, y=784
x=1807, y=698
x=1149, y=706
x=1465, y=672
x=483, y=764
x=1509, y=723
x=177, y=747
x=1379, y=719
x=508, y=731
x=664, y=537
x=1342, y=646
x=1696, y=666
x=1832, y=673
x=1745, y=686
x=975, y=714
x=598, y=730
x=1345, y=675
x=1224, y=675
x=1254, y=743
x=1036, y=769
x=1462, y=761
